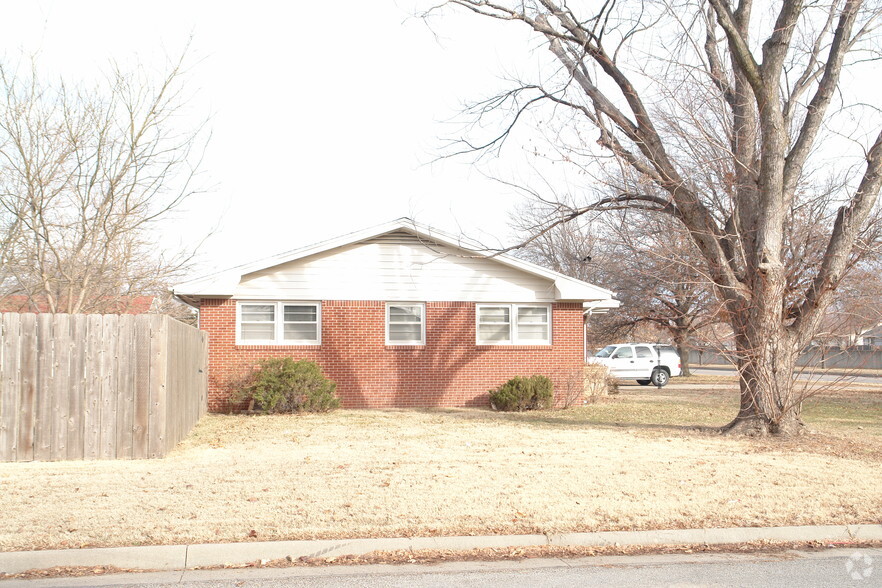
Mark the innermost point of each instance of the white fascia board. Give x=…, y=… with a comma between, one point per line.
x=600, y=306
x=224, y=283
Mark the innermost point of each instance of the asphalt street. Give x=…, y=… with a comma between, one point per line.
x=810, y=376
x=835, y=567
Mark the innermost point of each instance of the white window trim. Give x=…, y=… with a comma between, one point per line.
x=279, y=323
x=513, y=324
x=422, y=340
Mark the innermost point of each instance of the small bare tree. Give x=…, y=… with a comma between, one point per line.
x=85, y=176
x=710, y=112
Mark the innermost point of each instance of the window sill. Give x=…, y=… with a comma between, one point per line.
x=516, y=346
x=278, y=346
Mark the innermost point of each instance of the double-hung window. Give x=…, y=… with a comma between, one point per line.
x=513, y=324
x=278, y=323
x=405, y=323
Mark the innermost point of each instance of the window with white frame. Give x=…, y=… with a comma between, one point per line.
x=405, y=323
x=278, y=323
x=513, y=324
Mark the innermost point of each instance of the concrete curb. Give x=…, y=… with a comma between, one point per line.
x=182, y=557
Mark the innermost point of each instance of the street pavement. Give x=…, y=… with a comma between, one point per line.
x=829, y=568
x=805, y=375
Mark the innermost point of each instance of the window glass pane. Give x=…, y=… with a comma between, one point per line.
x=493, y=314
x=258, y=312
x=301, y=332
x=493, y=333
x=301, y=314
x=530, y=332
x=405, y=314
x=606, y=351
x=258, y=331
x=643, y=352
x=532, y=314
x=624, y=352
x=405, y=332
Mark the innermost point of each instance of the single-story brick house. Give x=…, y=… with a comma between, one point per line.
x=399, y=315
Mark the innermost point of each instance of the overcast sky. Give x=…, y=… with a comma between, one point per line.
x=326, y=117
x=324, y=120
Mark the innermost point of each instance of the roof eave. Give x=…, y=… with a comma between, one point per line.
x=566, y=288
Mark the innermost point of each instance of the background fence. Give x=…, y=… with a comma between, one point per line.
x=98, y=386
x=819, y=357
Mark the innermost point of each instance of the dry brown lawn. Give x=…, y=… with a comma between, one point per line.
x=626, y=462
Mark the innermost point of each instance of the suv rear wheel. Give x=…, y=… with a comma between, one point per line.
x=643, y=382
x=659, y=377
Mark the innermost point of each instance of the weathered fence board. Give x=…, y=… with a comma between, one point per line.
x=61, y=386
x=98, y=386
x=126, y=386
x=158, y=373
x=44, y=397
x=142, y=390
x=92, y=388
x=27, y=395
x=9, y=392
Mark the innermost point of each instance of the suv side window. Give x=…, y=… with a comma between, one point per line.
x=624, y=352
x=643, y=351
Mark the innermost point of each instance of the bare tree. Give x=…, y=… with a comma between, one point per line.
x=647, y=261
x=86, y=174
x=710, y=112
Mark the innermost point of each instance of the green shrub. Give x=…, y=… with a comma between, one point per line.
x=285, y=385
x=519, y=394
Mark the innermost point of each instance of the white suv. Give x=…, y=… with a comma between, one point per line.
x=645, y=362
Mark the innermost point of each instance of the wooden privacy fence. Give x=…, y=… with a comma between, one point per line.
x=98, y=386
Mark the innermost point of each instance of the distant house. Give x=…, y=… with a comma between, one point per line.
x=871, y=337
x=866, y=336
x=399, y=315
x=120, y=305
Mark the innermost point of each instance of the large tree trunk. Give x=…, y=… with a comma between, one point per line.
x=683, y=350
x=769, y=404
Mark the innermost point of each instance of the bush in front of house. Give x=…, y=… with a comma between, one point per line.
x=284, y=385
x=519, y=394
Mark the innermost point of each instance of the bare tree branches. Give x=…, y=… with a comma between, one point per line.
x=85, y=175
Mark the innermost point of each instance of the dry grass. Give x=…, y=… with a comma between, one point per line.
x=627, y=462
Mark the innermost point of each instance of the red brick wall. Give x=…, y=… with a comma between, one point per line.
x=449, y=370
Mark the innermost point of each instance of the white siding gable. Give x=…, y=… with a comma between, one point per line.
x=396, y=266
